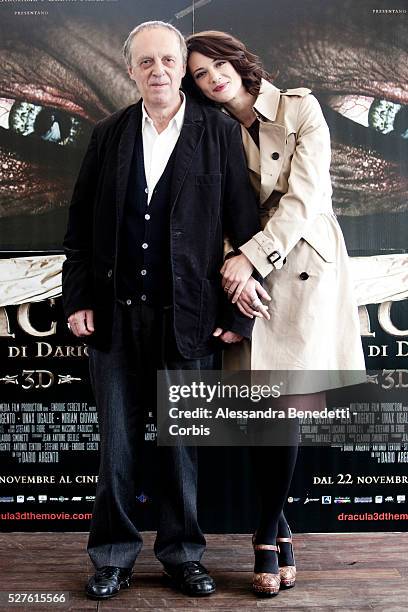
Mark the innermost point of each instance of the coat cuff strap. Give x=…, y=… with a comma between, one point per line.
x=273, y=255
x=263, y=254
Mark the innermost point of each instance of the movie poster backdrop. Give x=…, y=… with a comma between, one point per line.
x=61, y=72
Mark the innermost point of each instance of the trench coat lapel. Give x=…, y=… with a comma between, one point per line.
x=125, y=155
x=189, y=139
x=272, y=138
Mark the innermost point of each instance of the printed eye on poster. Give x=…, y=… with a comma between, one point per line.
x=52, y=96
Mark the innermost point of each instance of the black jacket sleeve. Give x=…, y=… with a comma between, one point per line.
x=76, y=271
x=241, y=221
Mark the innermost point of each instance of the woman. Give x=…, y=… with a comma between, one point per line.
x=312, y=321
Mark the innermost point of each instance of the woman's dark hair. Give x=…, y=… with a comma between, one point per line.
x=220, y=45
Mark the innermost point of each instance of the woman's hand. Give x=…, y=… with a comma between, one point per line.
x=228, y=337
x=249, y=302
x=236, y=271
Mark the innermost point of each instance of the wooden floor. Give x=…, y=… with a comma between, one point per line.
x=336, y=572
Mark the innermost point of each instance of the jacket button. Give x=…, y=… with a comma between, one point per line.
x=110, y=273
x=283, y=90
x=303, y=276
x=275, y=155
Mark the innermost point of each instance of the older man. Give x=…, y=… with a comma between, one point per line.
x=161, y=182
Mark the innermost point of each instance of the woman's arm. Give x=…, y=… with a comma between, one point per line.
x=309, y=192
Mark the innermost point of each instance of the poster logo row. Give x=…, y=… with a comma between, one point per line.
x=328, y=499
x=325, y=499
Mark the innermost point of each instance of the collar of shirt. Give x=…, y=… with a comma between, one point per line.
x=177, y=120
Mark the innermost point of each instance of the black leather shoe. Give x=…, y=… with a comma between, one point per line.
x=108, y=581
x=191, y=578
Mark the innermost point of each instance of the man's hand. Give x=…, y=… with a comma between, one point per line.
x=81, y=323
x=228, y=337
x=236, y=272
x=249, y=302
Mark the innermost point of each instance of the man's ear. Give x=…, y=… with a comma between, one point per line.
x=130, y=72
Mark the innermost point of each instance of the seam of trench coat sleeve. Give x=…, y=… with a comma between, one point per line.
x=256, y=250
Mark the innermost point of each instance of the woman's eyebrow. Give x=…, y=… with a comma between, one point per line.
x=203, y=68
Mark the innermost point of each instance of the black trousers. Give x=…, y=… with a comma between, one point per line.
x=124, y=384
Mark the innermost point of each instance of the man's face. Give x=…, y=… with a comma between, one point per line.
x=157, y=67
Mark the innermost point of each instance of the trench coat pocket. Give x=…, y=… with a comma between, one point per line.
x=321, y=239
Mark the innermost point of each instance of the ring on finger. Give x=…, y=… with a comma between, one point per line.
x=256, y=304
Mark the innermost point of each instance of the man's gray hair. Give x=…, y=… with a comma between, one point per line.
x=127, y=51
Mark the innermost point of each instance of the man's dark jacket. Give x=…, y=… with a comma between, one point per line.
x=210, y=196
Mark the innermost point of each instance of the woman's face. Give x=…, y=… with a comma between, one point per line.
x=217, y=78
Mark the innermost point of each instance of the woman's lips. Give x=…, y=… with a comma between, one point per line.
x=221, y=87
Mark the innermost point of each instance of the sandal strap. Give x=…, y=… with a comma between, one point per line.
x=284, y=540
x=266, y=547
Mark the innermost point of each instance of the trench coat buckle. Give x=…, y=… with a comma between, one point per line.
x=275, y=258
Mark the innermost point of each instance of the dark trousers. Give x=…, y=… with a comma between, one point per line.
x=124, y=384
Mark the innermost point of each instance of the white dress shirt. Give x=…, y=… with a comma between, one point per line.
x=157, y=148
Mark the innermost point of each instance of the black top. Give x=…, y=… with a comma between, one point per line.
x=253, y=130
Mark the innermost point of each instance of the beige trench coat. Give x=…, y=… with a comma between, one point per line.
x=314, y=321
